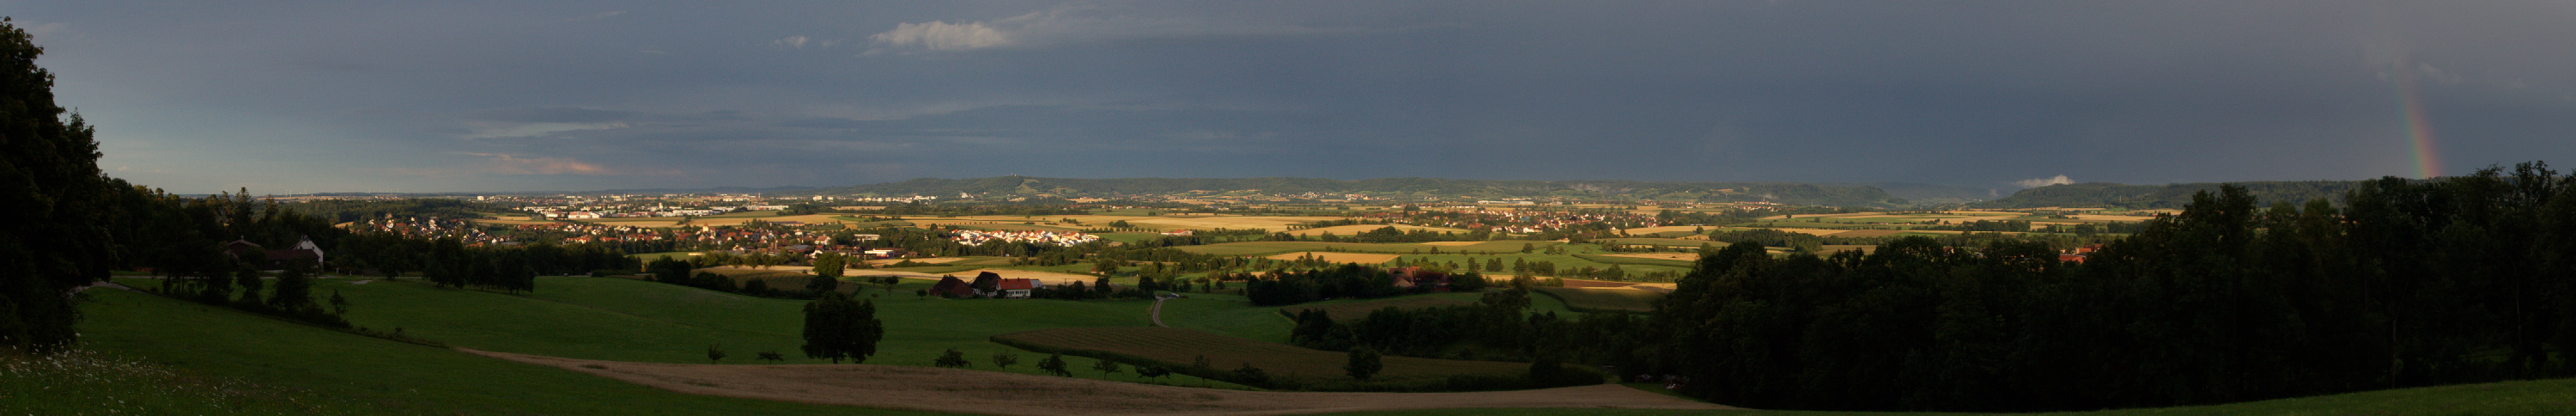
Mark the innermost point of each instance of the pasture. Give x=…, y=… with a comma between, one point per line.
x=1178, y=348
x=355, y=374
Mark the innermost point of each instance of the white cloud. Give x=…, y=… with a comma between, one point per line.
x=790, y=42
x=942, y=36
x=1074, y=24
x=2039, y=182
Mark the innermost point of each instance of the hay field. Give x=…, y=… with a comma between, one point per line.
x=1361, y=309
x=1356, y=229
x=970, y=391
x=1177, y=347
x=1361, y=258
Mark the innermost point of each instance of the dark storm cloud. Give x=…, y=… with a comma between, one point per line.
x=474, y=96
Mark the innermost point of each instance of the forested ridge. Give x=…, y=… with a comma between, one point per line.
x=2409, y=283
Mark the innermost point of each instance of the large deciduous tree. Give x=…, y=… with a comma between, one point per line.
x=838, y=327
x=52, y=188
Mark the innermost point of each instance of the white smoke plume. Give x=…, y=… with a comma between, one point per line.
x=2039, y=182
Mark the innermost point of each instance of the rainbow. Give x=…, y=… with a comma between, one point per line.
x=2410, y=105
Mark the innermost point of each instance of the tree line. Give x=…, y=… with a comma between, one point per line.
x=2410, y=283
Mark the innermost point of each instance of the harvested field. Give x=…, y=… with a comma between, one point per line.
x=1453, y=243
x=1356, y=310
x=1615, y=299
x=1668, y=242
x=932, y=260
x=1664, y=229
x=1816, y=232
x=1582, y=283
x=1050, y=278
x=1177, y=348
x=1347, y=230
x=1661, y=256
x=1664, y=288
x=2118, y=218
x=986, y=392
x=1361, y=258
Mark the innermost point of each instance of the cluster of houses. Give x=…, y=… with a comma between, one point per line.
x=979, y=237
x=426, y=228
x=2078, y=254
x=1523, y=221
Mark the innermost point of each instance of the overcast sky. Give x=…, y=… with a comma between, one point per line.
x=292, y=97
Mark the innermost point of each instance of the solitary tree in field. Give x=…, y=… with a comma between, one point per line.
x=952, y=359
x=1005, y=359
x=715, y=353
x=1106, y=368
x=773, y=357
x=1054, y=364
x=1363, y=364
x=838, y=327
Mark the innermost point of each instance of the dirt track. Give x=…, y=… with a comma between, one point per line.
x=967, y=391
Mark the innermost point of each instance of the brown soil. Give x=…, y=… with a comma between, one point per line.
x=969, y=391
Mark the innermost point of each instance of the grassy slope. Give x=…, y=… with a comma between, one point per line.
x=2536, y=397
x=378, y=376
x=632, y=320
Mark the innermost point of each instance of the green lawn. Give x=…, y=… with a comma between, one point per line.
x=633, y=320
x=361, y=375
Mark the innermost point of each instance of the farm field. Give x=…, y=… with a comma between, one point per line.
x=1177, y=347
x=1665, y=229
x=1660, y=256
x=939, y=389
x=1275, y=247
x=1361, y=258
x=1346, y=230
x=1360, y=309
x=1667, y=242
x=1613, y=299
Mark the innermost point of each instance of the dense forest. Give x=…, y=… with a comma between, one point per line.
x=1792, y=193
x=2165, y=196
x=2409, y=283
